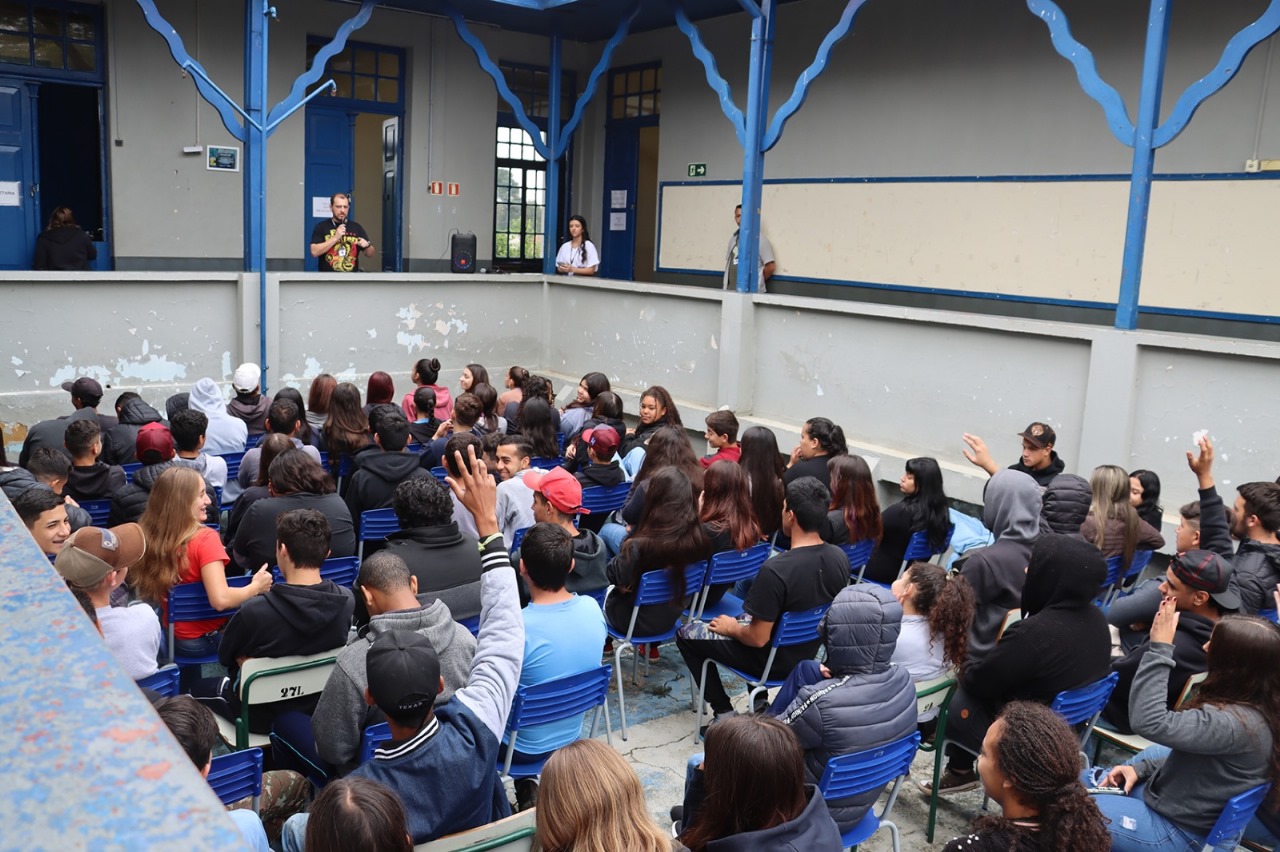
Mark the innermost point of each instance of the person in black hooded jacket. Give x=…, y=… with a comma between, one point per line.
x=1065, y=504
x=64, y=246
x=378, y=473
x=302, y=615
x=1062, y=642
x=119, y=441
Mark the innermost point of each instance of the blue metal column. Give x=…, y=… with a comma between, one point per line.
x=255, y=160
x=762, y=29
x=551, y=212
x=1135, y=237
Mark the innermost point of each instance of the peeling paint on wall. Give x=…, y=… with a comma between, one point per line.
x=410, y=315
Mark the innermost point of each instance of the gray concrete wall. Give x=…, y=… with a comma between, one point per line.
x=903, y=382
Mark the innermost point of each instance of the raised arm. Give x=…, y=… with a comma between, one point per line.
x=1215, y=534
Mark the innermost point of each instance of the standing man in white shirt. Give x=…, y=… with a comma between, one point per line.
x=764, y=256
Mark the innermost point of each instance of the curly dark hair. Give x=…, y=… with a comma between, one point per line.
x=1040, y=755
x=663, y=397
x=949, y=606
x=422, y=502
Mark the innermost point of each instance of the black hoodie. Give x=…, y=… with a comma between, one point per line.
x=1044, y=475
x=65, y=249
x=285, y=621
x=373, y=485
x=97, y=481
x=119, y=443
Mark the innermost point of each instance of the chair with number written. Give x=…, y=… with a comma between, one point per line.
x=266, y=680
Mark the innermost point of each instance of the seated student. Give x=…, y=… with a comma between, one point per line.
x=536, y=427
x=188, y=429
x=667, y=448
x=657, y=409
x=466, y=413
x=753, y=793
x=722, y=435
x=1226, y=742
x=489, y=421
x=512, y=384
x=282, y=419
x=573, y=415
x=345, y=433
x=607, y=411
x=854, y=513
x=1062, y=642
x=119, y=441
x=155, y=452
x=390, y=596
x=196, y=730
x=1065, y=504
x=379, y=473
x=306, y=434
x=89, y=479
x=295, y=482
x=936, y=616
x=86, y=394
x=271, y=447
x=819, y=440
x=515, y=497
x=1199, y=584
x=489, y=446
x=224, y=433
x=46, y=468
x=563, y=634
x=591, y=798
x=458, y=444
x=1030, y=766
x=302, y=615
x=356, y=813
x=440, y=760
x=724, y=509
x=858, y=699
x=997, y=572
x=602, y=468
x=1144, y=496
x=808, y=575
x=1257, y=526
x=557, y=500
x=44, y=514
x=444, y=561
x=1039, y=460
x=923, y=507
x=249, y=404
x=534, y=387
x=97, y=561
x=763, y=464
x=424, y=423
x=1113, y=525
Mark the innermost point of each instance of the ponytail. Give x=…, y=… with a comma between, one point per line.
x=949, y=606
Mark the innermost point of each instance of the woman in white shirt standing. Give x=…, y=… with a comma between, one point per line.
x=579, y=255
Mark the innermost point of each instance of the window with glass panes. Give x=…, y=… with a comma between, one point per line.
x=363, y=72
x=58, y=37
x=519, y=215
x=635, y=92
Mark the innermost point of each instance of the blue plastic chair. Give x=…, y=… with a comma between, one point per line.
x=130, y=469
x=858, y=554
x=376, y=525
x=439, y=472
x=542, y=463
x=598, y=595
x=233, y=463
x=373, y=736
x=1236, y=814
x=342, y=570
x=472, y=624
x=98, y=510
x=850, y=774
x=654, y=588
x=793, y=628
x=1270, y=615
x=562, y=698
x=1117, y=576
x=237, y=776
x=164, y=681
x=729, y=567
x=190, y=602
x=920, y=550
x=600, y=500
x=254, y=441
x=517, y=538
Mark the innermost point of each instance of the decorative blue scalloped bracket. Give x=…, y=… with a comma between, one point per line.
x=589, y=92
x=714, y=79
x=801, y=91
x=296, y=99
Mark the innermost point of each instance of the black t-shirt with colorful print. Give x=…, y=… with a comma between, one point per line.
x=345, y=254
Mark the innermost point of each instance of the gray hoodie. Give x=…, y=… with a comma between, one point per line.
x=1011, y=510
x=342, y=712
x=225, y=434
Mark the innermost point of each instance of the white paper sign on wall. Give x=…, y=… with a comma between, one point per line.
x=320, y=207
x=617, y=221
x=10, y=193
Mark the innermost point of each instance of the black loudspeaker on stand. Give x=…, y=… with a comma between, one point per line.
x=462, y=253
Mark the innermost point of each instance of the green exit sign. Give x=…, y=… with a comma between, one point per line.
x=697, y=170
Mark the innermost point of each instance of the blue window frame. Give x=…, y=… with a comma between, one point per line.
x=51, y=39
x=365, y=74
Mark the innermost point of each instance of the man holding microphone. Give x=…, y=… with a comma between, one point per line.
x=338, y=243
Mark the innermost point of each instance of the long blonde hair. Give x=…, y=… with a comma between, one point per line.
x=590, y=800
x=1110, y=487
x=168, y=526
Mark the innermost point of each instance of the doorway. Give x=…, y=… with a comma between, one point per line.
x=629, y=240
x=70, y=153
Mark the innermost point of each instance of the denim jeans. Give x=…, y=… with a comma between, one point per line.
x=200, y=646
x=1134, y=826
x=805, y=673
x=293, y=838
x=613, y=536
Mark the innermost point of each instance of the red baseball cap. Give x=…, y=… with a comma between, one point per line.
x=602, y=439
x=561, y=489
x=154, y=444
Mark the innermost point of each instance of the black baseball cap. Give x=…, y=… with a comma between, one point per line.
x=403, y=673
x=1207, y=572
x=84, y=387
x=1040, y=434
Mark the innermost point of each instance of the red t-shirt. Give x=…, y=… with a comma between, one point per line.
x=729, y=454
x=206, y=547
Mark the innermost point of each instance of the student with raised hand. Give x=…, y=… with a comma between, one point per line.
x=440, y=761
x=1226, y=741
x=591, y=799
x=1039, y=460
x=1030, y=766
x=819, y=440
x=923, y=507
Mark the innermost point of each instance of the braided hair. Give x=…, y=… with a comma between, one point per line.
x=1040, y=755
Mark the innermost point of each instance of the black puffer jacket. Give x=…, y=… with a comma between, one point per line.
x=119, y=443
x=15, y=480
x=128, y=504
x=1257, y=570
x=867, y=702
x=1065, y=504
